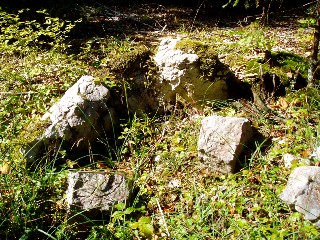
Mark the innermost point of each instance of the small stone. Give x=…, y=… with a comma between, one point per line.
x=302, y=192
x=174, y=183
x=289, y=160
x=96, y=192
x=221, y=142
x=316, y=153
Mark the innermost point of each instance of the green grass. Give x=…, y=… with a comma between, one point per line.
x=176, y=197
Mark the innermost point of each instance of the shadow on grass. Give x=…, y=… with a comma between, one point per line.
x=258, y=146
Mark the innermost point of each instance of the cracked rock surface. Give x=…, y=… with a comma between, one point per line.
x=303, y=192
x=78, y=109
x=77, y=119
x=95, y=192
x=221, y=141
x=180, y=73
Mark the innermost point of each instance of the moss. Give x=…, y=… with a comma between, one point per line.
x=210, y=65
x=254, y=66
x=194, y=46
x=129, y=61
x=284, y=63
x=121, y=65
x=292, y=62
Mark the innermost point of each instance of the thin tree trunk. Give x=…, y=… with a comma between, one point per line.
x=314, y=57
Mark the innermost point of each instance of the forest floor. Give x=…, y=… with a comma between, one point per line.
x=177, y=199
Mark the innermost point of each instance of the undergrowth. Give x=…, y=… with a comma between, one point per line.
x=177, y=198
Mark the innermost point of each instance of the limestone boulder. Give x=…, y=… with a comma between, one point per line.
x=176, y=72
x=302, y=192
x=94, y=193
x=221, y=142
x=78, y=118
x=180, y=73
x=77, y=113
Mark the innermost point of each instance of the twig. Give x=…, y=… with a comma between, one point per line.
x=194, y=19
x=163, y=220
x=17, y=93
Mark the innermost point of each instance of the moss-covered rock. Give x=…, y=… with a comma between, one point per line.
x=211, y=68
x=128, y=62
x=193, y=70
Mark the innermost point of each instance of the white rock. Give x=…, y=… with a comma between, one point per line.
x=93, y=192
x=289, y=159
x=174, y=183
x=179, y=73
x=221, y=142
x=78, y=110
x=174, y=64
x=316, y=153
x=77, y=118
x=302, y=192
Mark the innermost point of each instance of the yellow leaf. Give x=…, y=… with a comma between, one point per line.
x=145, y=227
x=295, y=102
x=283, y=103
x=5, y=168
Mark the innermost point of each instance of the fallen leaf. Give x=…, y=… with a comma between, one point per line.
x=283, y=103
x=306, y=153
x=295, y=102
x=5, y=168
x=71, y=164
x=101, y=164
x=169, y=208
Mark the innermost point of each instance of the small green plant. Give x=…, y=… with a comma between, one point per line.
x=307, y=22
x=255, y=37
x=30, y=201
x=19, y=36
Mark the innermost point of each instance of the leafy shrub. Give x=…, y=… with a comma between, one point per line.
x=19, y=35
